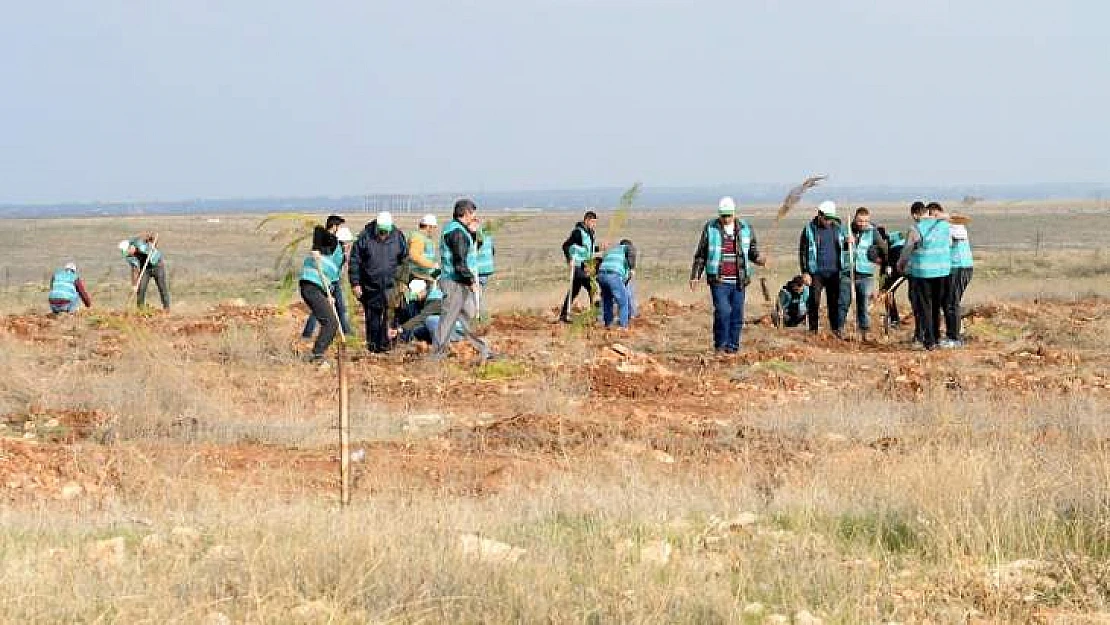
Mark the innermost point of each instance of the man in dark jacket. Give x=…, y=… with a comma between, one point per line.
x=380, y=249
x=822, y=255
x=458, y=280
x=579, y=249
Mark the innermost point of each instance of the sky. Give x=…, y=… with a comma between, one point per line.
x=124, y=100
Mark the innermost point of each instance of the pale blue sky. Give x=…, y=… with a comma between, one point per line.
x=126, y=100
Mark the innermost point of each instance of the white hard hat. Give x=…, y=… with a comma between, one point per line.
x=429, y=220
x=418, y=286
x=344, y=234
x=71, y=266
x=827, y=208
x=727, y=206
x=124, y=245
x=385, y=220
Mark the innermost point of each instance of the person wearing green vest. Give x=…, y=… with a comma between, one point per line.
x=67, y=289
x=927, y=260
x=889, y=267
x=869, y=249
x=486, y=252
x=794, y=302
x=324, y=240
x=146, y=259
x=617, y=265
x=579, y=249
x=962, y=267
x=423, y=256
x=727, y=252
x=458, y=280
x=822, y=257
x=315, y=291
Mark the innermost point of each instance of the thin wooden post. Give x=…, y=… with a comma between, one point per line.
x=344, y=394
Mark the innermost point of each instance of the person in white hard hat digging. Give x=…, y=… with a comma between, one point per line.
x=146, y=262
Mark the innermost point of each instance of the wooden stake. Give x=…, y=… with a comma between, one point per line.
x=344, y=395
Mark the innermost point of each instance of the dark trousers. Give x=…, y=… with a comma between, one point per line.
x=728, y=315
x=340, y=306
x=892, y=302
x=957, y=284
x=581, y=281
x=928, y=296
x=830, y=284
x=377, y=328
x=158, y=272
x=317, y=301
x=794, y=315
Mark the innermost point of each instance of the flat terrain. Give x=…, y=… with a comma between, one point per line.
x=183, y=468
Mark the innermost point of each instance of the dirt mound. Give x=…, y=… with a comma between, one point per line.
x=518, y=322
x=667, y=307
x=634, y=381
x=59, y=424
x=35, y=471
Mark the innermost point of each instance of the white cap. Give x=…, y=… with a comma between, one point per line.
x=71, y=266
x=827, y=208
x=429, y=220
x=344, y=234
x=418, y=286
x=958, y=232
x=727, y=206
x=385, y=220
x=124, y=245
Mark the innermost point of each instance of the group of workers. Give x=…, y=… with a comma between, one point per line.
x=419, y=287
x=848, y=264
x=428, y=286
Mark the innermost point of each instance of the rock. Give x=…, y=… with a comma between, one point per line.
x=803, y=617
x=152, y=544
x=72, y=490
x=52, y=423
x=661, y=456
x=236, y=302
x=216, y=618
x=631, y=369
x=742, y=520
x=185, y=537
x=486, y=550
x=657, y=553
x=621, y=349
x=312, y=612
x=358, y=455
x=110, y=552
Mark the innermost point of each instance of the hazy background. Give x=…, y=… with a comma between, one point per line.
x=129, y=100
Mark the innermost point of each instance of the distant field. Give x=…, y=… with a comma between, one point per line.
x=1025, y=249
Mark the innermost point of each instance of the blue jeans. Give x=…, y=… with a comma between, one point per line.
x=865, y=286
x=68, y=307
x=613, y=291
x=340, y=307
x=728, y=316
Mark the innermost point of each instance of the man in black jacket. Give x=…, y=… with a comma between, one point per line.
x=380, y=249
x=578, y=250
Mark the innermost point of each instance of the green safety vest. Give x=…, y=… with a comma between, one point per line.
x=961, y=254
x=581, y=253
x=64, y=285
x=716, y=236
x=331, y=264
x=485, y=255
x=434, y=294
x=144, y=248
x=932, y=257
x=864, y=266
x=447, y=258
x=788, y=297
x=811, y=253
x=897, y=239
x=615, y=260
x=429, y=255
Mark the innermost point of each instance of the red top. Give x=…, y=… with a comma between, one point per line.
x=729, y=271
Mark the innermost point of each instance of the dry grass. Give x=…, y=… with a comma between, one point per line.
x=886, y=486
